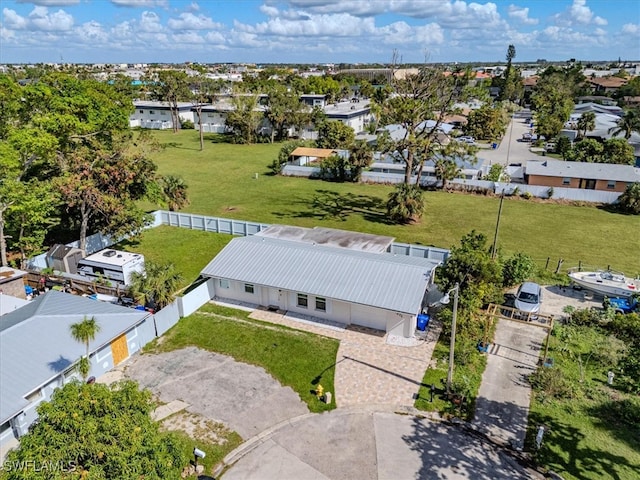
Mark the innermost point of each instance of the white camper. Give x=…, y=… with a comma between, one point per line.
x=113, y=265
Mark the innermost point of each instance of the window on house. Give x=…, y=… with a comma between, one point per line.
x=566, y=181
x=35, y=396
x=151, y=112
x=303, y=300
x=611, y=184
x=321, y=304
x=224, y=283
x=248, y=288
x=4, y=427
x=163, y=113
x=141, y=111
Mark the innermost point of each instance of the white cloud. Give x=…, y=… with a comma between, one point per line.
x=59, y=21
x=140, y=3
x=187, y=37
x=189, y=21
x=431, y=33
x=51, y=3
x=215, y=38
x=632, y=29
x=6, y=34
x=194, y=7
x=521, y=14
x=13, y=21
x=92, y=31
x=245, y=39
x=269, y=11
x=579, y=13
x=150, y=22
x=339, y=25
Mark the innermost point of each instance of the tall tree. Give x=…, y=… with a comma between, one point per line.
x=553, y=100
x=488, y=122
x=509, y=84
x=335, y=134
x=97, y=431
x=245, y=118
x=586, y=123
x=629, y=123
x=629, y=201
x=587, y=150
x=429, y=94
x=284, y=110
x=172, y=86
x=204, y=91
x=618, y=151
x=85, y=332
x=446, y=170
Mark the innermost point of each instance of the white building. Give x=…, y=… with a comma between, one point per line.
x=157, y=115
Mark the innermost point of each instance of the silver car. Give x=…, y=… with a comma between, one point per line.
x=528, y=300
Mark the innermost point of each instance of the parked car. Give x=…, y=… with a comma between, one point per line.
x=622, y=305
x=466, y=139
x=528, y=300
x=550, y=147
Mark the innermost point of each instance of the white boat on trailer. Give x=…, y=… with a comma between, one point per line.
x=606, y=282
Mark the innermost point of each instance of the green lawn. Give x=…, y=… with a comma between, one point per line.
x=222, y=183
x=592, y=430
x=295, y=358
x=188, y=250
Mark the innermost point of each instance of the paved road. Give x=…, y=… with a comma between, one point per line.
x=356, y=444
x=503, y=400
x=511, y=149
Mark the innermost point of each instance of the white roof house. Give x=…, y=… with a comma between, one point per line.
x=37, y=350
x=379, y=290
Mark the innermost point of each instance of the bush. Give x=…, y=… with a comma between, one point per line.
x=517, y=269
x=550, y=383
x=187, y=125
x=585, y=317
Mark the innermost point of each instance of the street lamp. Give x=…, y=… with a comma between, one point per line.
x=445, y=300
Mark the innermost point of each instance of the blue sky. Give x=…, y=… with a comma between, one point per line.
x=315, y=31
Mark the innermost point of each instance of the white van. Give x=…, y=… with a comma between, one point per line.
x=113, y=265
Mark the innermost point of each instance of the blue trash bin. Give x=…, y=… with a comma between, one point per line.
x=494, y=145
x=423, y=321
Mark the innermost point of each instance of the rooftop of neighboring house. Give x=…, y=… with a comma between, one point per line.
x=586, y=170
x=608, y=82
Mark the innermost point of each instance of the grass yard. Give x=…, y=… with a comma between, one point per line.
x=593, y=429
x=222, y=183
x=188, y=250
x=297, y=359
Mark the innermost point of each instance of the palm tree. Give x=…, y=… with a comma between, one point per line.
x=586, y=123
x=175, y=192
x=405, y=203
x=446, y=169
x=156, y=286
x=360, y=157
x=629, y=201
x=85, y=332
x=629, y=123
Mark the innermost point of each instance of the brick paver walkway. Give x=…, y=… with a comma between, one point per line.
x=370, y=370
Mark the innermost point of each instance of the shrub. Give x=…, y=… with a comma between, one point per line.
x=550, y=383
x=585, y=316
x=186, y=125
x=517, y=269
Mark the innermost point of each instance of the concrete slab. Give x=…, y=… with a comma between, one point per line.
x=503, y=400
x=168, y=409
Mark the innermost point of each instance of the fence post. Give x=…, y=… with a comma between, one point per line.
x=546, y=267
x=560, y=262
x=579, y=265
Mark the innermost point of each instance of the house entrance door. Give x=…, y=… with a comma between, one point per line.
x=119, y=349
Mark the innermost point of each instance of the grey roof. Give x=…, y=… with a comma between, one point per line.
x=330, y=237
x=594, y=171
x=36, y=345
x=383, y=280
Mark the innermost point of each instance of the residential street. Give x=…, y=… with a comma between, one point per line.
x=502, y=406
x=510, y=150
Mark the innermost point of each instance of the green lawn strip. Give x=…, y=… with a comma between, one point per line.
x=189, y=250
x=295, y=358
x=222, y=183
x=467, y=370
x=586, y=437
x=215, y=452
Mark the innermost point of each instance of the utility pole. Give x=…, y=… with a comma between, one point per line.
x=495, y=236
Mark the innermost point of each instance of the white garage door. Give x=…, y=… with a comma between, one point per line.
x=368, y=317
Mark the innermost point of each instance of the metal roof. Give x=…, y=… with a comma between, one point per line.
x=595, y=171
x=36, y=343
x=331, y=237
x=383, y=280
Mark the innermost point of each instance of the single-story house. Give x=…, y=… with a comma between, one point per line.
x=38, y=353
x=591, y=176
x=304, y=155
x=334, y=275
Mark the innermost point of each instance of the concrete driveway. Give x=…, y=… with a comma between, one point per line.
x=244, y=397
x=502, y=406
x=511, y=149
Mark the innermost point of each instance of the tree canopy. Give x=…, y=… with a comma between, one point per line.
x=97, y=432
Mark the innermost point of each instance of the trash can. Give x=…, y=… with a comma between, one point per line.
x=494, y=145
x=423, y=321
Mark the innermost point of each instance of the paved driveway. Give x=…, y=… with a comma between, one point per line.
x=503, y=400
x=357, y=444
x=511, y=149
